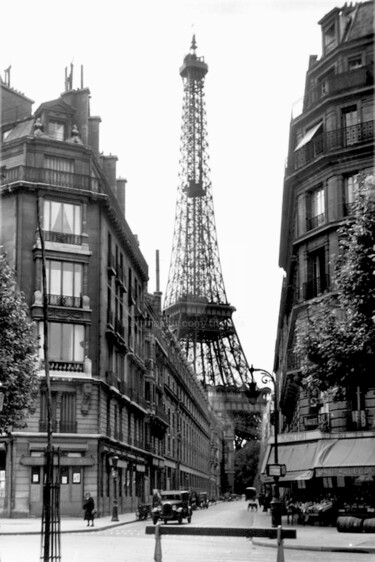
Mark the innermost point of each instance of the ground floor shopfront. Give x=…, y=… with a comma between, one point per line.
x=323, y=469
x=110, y=471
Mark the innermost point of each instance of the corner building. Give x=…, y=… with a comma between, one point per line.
x=327, y=447
x=117, y=387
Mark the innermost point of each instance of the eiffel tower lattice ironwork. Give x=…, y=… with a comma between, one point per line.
x=196, y=304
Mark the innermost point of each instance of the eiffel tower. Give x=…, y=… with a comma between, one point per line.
x=196, y=304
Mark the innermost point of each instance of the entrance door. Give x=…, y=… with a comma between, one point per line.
x=71, y=491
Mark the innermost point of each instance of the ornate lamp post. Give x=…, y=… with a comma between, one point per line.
x=276, y=470
x=115, y=476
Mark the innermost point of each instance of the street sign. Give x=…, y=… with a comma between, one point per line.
x=276, y=469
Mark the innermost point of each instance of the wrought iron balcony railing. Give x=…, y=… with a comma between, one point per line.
x=333, y=85
x=315, y=222
x=63, y=237
x=337, y=83
x=325, y=142
x=64, y=300
x=67, y=366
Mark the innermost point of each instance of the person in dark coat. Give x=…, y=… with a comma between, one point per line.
x=89, y=509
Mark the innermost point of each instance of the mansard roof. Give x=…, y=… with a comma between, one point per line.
x=57, y=106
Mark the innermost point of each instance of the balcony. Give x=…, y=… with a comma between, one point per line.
x=63, y=237
x=64, y=300
x=49, y=177
x=315, y=287
x=69, y=367
x=328, y=141
x=336, y=83
x=315, y=222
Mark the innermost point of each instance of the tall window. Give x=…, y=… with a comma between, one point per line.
x=350, y=124
x=351, y=192
x=56, y=130
x=43, y=411
x=315, y=209
x=68, y=422
x=62, y=222
x=64, y=283
x=317, y=274
x=66, y=342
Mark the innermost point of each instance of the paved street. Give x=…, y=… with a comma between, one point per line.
x=129, y=543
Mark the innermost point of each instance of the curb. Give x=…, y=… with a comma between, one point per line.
x=71, y=531
x=355, y=549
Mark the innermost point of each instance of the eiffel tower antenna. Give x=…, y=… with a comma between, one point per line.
x=196, y=304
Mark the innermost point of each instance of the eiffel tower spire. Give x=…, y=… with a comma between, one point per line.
x=196, y=304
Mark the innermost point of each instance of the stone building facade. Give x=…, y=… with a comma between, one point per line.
x=120, y=386
x=325, y=444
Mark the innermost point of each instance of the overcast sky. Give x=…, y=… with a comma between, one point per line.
x=257, y=52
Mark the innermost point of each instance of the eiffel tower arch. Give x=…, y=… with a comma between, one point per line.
x=196, y=305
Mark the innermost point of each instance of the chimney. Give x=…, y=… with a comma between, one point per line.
x=121, y=193
x=94, y=126
x=80, y=102
x=157, y=293
x=109, y=169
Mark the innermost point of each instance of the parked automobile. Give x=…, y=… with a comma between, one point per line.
x=174, y=506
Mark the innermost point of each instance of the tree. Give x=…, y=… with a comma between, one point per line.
x=246, y=462
x=336, y=345
x=18, y=351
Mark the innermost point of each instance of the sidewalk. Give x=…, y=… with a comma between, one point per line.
x=314, y=537
x=32, y=525
x=308, y=537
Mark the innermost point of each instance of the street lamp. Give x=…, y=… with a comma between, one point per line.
x=115, y=460
x=275, y=470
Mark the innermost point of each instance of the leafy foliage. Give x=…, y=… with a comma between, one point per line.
x=336, y=344
x=246, y=466
x=18, y=347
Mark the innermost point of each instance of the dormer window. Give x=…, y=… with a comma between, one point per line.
x=329, y=38
x=56, y=130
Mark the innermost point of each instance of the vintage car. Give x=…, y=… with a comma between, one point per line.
x=174, y=506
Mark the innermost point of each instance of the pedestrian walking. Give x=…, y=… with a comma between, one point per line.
x=89, y=509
